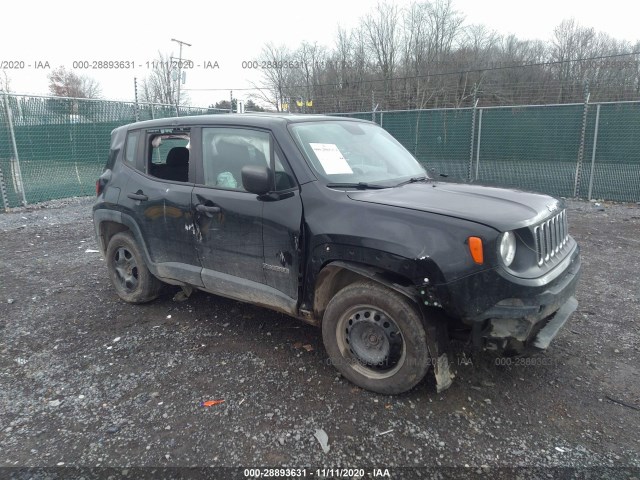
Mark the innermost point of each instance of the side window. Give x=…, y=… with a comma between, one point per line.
x=283, y=176
x=226, y=150
x=168, y=156
x=131, y=148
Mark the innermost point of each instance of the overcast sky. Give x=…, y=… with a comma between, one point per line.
x=62, y=32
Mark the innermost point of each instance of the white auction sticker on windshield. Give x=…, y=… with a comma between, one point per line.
x=331, y=159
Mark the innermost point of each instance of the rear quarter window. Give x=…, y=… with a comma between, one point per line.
x=131, y=147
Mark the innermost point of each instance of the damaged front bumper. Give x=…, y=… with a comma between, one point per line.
x=528, y=323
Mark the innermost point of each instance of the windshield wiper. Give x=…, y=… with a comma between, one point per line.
x=413, y=180
x=359, y=185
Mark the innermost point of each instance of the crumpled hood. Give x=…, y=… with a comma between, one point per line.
x=500, y=208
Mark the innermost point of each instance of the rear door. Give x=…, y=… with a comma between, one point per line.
x=158, y=197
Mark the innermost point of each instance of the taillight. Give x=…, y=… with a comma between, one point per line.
x=102, y=181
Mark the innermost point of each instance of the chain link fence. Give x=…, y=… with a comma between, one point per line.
x=586, y=150
x=56, y=147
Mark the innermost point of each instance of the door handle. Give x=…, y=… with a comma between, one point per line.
x=206, y=209
x=138, y=196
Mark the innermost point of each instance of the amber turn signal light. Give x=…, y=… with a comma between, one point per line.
x=475, y=247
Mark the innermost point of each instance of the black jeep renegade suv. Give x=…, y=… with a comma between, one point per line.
x=332, y=221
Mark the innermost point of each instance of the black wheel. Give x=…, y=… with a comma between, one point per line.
x=375, y=337
x=128, y=272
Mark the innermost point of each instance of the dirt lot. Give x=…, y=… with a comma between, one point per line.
x=87, y=380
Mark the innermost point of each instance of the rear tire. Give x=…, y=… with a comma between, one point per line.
x=376, y=338
x=128, y=272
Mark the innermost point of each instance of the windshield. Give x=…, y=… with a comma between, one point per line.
x=350, y=152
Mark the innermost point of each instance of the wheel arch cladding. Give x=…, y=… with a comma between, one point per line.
x=108, y=228
x=336, y=275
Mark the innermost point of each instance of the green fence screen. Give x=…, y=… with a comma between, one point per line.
x=55, y=148
x=62, y=144
x=545, y=148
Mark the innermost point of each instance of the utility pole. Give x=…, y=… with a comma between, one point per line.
x=179, y=71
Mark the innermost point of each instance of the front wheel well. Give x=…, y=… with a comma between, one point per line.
x=338, y=275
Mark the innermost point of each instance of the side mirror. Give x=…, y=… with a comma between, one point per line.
x=437, y=174
x=257, y=179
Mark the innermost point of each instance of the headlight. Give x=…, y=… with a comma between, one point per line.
x=507, y=247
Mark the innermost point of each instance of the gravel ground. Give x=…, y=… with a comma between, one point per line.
x=87, y=380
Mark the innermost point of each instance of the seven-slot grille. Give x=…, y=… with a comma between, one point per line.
x=551, y=236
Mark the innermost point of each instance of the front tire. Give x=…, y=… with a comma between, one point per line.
x=128, y=272
x=376, y=338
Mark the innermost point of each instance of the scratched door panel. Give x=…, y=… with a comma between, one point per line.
x=229, y=238
x=281, y=233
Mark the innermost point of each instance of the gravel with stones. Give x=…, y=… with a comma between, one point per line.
x=87, y=380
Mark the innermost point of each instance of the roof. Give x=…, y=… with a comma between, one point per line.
x=243, y=119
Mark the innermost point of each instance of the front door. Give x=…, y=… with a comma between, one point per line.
x=282, y=217
x=228, y=219
x=230, y=234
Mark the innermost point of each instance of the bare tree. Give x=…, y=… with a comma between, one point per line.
x=477, y=47
x=350, y=74
x=335, y=74
x=5, y=82
x=517, y=74
x=310, y=58
x=344, y=72
x=414, y=54
x=480, y=39
x=634, y=68
x=274, y=88
x=444, y=27
x=383, y=38
x=615, y=78
x=63, y=83
x=431, y=33
x=425, y=56
x=343, y=56
x=161, y=86
x=572, y=42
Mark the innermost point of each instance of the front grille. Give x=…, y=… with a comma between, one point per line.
x=551, y=237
